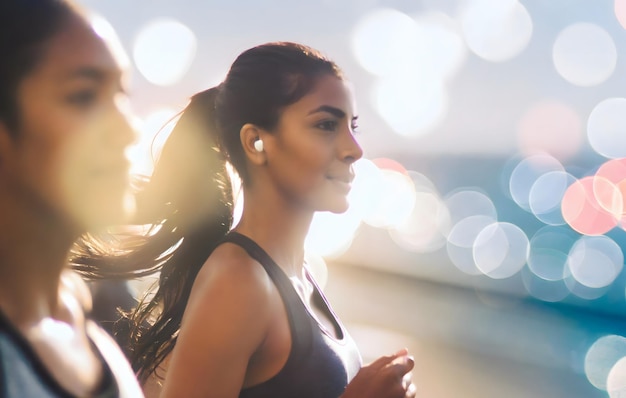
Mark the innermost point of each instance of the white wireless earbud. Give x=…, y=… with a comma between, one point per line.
x=258, y=145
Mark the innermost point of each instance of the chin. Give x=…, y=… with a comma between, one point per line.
x=337, y=207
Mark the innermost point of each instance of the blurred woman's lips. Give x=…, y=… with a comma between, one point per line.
x=118, y=169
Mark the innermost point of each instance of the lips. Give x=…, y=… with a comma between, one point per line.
x=345, y=178
x=117, y=168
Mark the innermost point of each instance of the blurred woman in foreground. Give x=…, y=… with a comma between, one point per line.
x=63, y=171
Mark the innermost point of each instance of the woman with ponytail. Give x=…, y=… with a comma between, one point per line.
x=236, y=312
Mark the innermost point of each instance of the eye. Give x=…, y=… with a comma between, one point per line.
x=328, y=125
x=83, y=98
x=354, y=128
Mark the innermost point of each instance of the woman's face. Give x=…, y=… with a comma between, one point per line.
x=68, y=157
x=311, y=152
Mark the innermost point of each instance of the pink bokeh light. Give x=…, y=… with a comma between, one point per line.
x=582, y=211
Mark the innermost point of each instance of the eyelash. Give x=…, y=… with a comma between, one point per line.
x=328, y=125
x=82, y=98
x=331, y=125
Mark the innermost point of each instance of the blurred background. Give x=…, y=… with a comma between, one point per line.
x=486, y=228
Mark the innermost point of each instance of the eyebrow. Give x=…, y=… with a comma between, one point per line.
x=86, y=72
x=329, y=109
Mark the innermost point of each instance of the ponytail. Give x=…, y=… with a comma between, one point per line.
x=188, y=205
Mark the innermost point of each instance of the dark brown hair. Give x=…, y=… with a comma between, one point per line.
x=189, y=195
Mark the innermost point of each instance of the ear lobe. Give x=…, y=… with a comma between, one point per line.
x=252, y=143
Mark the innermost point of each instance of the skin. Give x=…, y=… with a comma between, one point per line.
x=235, y=332
x=65, y=172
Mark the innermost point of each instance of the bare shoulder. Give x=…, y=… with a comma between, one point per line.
x=230, y=265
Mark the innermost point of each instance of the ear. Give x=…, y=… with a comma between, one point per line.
x=249, y=135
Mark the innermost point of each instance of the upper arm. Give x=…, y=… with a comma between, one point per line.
x=225, y=322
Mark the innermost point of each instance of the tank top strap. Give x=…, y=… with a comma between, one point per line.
x=299, y=322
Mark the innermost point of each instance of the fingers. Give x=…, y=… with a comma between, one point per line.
x=411, y=391
x=402, y=366
x=386, y=359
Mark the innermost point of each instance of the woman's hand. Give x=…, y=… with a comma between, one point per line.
x=387, y=377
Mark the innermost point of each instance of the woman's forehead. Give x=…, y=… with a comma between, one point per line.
x=329, y=91
x=76, y=47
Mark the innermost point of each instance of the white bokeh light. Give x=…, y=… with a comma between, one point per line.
x=396, y=203
x=461, y=240
x=546, y=195
x=330, y=234
x=549, y=248
x=500, y=250
x=542, y=289
x=411, y=104
x=426, y=227
x=526, y=173
x=164, y=50
x=469, y=202
x=386, y=40
x=595, y=261
x=584, y=54
x=444, y=51
x=496, y=31
x=606, y=128
x=616, y=381
x=366, y=197
x=601, y=357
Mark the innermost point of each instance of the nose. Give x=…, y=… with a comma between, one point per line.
x=350, y=150
x=120, y=128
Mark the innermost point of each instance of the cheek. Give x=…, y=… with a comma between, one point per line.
x=62, y=164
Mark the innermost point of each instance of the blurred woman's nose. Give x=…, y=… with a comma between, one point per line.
x=121, y=128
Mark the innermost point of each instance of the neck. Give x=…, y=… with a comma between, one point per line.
x=280, y=228
x=33, y=253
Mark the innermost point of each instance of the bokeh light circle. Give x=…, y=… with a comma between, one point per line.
x=444, y=50
x=426, y=227
x=330, y=235
x=385, y=40
x=616, y=380
x=610, y=187
x=366, y=196
x=601, y=357
x=467, y=202
x=396, y=201
x=595, y=261
x=500, y=250
x=606, y=128
x=551, y=127
x=542, y=289
x=496, y=31
x=546, y=196
x=620, y=13
x=584, y=54
x=526, y=173
x=460, y=244
x=549, y=250
x=164, y=50
x=582, y=211
x=411, y=104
